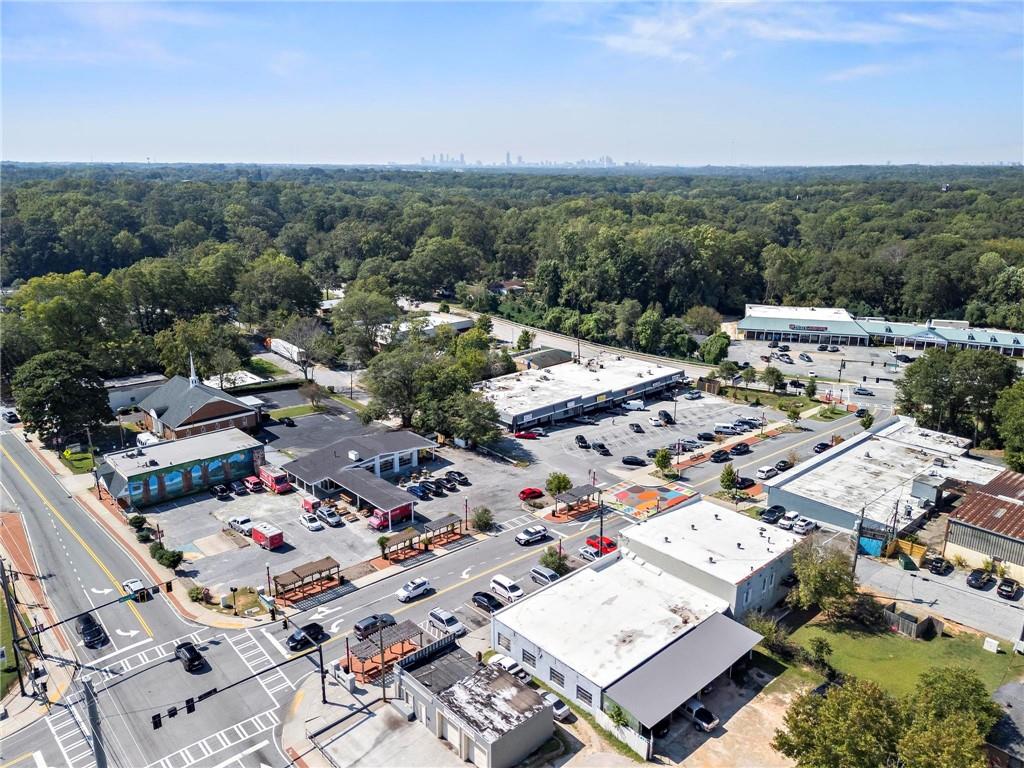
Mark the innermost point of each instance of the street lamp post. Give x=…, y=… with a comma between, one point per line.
x=234, y=600
x=270, y=592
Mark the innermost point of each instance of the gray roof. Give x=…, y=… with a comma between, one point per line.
x=1006, y=735
x=492, y=702
x=790, y=325
x=176, y=401
x=441, y=670
x=677, y=672
x=328, y=460
x=369, y=487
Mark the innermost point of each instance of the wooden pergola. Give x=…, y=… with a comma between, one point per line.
x=324, y=569
x=374, y=656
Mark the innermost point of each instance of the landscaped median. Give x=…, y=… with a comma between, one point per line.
x=296, y=410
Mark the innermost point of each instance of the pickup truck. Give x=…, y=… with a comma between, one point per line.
x=241, y=523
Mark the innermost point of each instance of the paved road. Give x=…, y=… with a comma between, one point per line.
x=946, y=596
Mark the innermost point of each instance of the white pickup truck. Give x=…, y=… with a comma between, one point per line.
x=241, y=523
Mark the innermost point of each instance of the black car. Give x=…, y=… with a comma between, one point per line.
x=860, y=413
x=666, y=417
x=90, y=631
x=905, y=358
x=773, y=344
x=939, y=566
x=1008, y=589
x=485, y=601
x=796, y=384
x=446, y=483
x=419, y=492
x=821, y=447
x=581, y=442
x=373, y=624
x=431, y=487
x=633, y=461
x=457, y=477
x=636, y=427
x=789, y=580
x=652, y=452
x=742, y=483
x=288, y=421
x=719, y=456
x=601, y=449
x=783, y=347
x=782, y=465
x=740, y=449
x=219, y=491
x=706, y=437
x=773, y=514
x=823, y=347
x=979, y=579
x=311, y=634
x=189, y=656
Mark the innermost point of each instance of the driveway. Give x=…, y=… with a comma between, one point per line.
x=946, y=596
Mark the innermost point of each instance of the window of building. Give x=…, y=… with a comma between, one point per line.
x=584, y=695
x=556, y=677
x=746, y=595
x=504, y=642
x=771, y=579
x=529, y=658
x=764, y=584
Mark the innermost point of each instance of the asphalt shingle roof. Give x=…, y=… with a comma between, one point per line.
x=176, y=401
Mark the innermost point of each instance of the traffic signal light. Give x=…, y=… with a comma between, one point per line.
x=190, y=706
x=169, y=586
x=172, y=711
x=156, y=721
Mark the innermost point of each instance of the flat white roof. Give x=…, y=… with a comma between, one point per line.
x=136, y=461
x=235, y=379
x=907, y=432
x=607, y=619
x=135, y=381
x=521, y=392
x=704, y=536
x=877, y=473
x=798, y=313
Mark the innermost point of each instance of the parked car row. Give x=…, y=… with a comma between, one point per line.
x=251, y=484
x=790, y=520
x=438, y=486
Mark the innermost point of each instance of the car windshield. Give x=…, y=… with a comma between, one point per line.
x=704, y=715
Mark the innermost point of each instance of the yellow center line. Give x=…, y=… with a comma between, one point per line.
x=78, y=538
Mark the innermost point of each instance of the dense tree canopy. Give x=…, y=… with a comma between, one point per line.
x=60, y=394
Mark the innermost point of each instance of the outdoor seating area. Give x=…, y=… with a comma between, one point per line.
x=579, y=501
x=375, y=656
x=307, y=579
x=641, y=501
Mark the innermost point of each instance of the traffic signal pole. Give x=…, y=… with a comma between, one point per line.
x=9, y=600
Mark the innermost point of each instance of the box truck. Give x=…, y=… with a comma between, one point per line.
x=267, y=535
x=381, y=520
x=274, y=479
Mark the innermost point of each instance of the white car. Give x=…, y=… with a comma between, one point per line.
x=310, y=523
x=132, y=587
x=789, y=519
x=803, y=526
x=531, y=535
x=329, y=516
x=509, y=665
x=413, y=589
x=539, y=431
x=694, y=395
x=812, y=374
x=654, y=421
x=558, y=707
x=588, y=553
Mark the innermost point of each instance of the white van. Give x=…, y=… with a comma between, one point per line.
x=766, y=472
x=446, y=621
x=633, y=405
x=504, y=587
x=726, y=429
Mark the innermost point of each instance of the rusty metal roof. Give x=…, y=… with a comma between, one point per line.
x=997, y=514
x=1008, y=483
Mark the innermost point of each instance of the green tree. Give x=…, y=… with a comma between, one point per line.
x=483, y=519
x=703, y=320
x=221, y=362
x=954, y=693
x=485, y=325
x=310, y=340
x=557, y=482
x=474, y=419
x=727, y=478
x=627, y=314
x=362, y=318
x=793, y=414
x=821, y=651
x=1009, y=416
x=392, y=381
x=825, y=577
x=749, y=376
x=675, y=337
x=382, y=542
x=662, y=460
x=726, y=370
x=273, y=287
x=857, y=725
x=647, y=333
x=772, y=377
x=775, y=636
x=525, y=339
x=811, y=389
x=203, y=338
x=555, y=560
x=867, y=420
x=714, y=348
x=951, y=744
x=60, y=394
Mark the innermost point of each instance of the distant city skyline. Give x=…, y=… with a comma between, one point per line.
x=514, y=84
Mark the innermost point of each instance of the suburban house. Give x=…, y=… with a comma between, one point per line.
x=140, y=476
x=729, y=555
x=488, y=716
x=623, y=633
x=989, y=525
x=507, y=287
x=186, y=407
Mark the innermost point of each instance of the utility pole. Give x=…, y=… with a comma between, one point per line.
x=856, y=540
x=9, y=601
x=323, y=674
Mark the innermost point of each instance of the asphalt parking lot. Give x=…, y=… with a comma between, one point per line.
x=858, y=370
x=313, y=431
x=217, y=560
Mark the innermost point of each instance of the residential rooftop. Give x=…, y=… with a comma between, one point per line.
x=139, y=461
x=606, y=619
x=725, y=544
x=492, y=702
x=876, y=473
x=524, y=391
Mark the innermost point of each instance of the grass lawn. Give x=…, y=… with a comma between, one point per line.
x=79, y=463
x=895, y=661
x=788, y=676
x=779, y=401
x=8, y=675
x=829, y=414
x=247, y=598
x=353, y=404
x=264, y=368
x=296, y=410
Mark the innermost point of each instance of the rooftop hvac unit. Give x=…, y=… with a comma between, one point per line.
x=353, y=456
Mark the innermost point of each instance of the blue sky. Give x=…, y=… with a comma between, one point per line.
x=674, y=83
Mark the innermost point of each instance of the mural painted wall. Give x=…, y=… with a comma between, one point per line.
x=190, y=477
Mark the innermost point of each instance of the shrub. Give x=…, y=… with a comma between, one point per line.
x=195, y=594
x=987, y=564
x=170, y=558
x=555, y=560
x=757, y=402
x=959, y=561
x=138, y=522
x=776, y=637
x=143, y=537
x=155, y=549
x=483, y=519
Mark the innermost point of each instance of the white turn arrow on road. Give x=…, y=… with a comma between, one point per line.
x=106, y=591
x=465, y=573
x=122, y=633
x=335, y=625
x=322, y=611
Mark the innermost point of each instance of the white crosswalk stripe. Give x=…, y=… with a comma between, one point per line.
x=141, y=659
x=518, y=522
x=255, y=657
x=215, y=743
x=69, y=732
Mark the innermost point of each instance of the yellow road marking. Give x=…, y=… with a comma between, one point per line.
x=17, y=760
x=78, y=538
x=295, y=703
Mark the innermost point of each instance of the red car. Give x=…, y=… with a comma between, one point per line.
x=530, y=493
x=527, y=435
x=602, y=544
